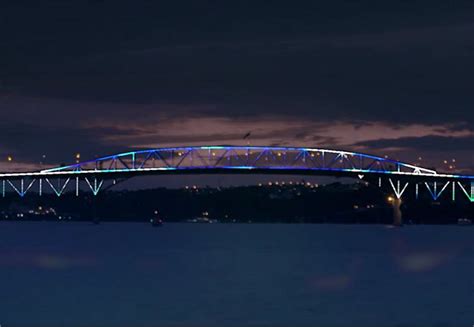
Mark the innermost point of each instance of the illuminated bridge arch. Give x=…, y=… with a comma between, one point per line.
x=255, y=159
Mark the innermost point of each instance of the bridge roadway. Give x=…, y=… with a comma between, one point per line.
x=350, y=173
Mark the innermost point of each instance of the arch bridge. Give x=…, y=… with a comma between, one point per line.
x=229, y=159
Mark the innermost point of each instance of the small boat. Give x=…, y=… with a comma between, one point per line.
x=204, y=218
x=156, y=221
x=201, y=220
x=464, y=221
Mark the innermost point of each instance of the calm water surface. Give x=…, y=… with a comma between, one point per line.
x=130, y=274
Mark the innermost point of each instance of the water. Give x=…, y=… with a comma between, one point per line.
x=126, y=274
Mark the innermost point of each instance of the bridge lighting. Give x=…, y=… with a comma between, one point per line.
x=390, y=199
x=376, y=165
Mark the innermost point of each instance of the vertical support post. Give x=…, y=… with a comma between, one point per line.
x=3, y=188
x=96, y=187
x=434, y=192
x=397, y=190
x=380, y=181
x=454, y=192
x=77, y=186
x=416, y=191
x=470, y=195
x=22, y=187
x=40, y=187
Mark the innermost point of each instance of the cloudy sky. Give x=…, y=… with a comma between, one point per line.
x=96, y=77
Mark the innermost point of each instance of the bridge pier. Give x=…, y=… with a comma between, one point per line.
x=397, y=212
x=95, y=216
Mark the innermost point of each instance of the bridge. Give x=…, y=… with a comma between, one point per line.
x=396, y=175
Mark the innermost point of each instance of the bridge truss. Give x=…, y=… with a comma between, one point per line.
x=239, y=160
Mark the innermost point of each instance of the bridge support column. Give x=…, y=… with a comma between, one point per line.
x=397, y=212
x=470, y=195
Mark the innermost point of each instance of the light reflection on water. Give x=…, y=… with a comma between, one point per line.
x=125, y=274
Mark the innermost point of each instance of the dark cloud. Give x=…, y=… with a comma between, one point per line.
x=318, y=80
x=426, y=143
x=69, y=71
x=28, y=143
x=330, y=61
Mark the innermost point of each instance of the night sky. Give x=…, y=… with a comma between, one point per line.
x=98, y=77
